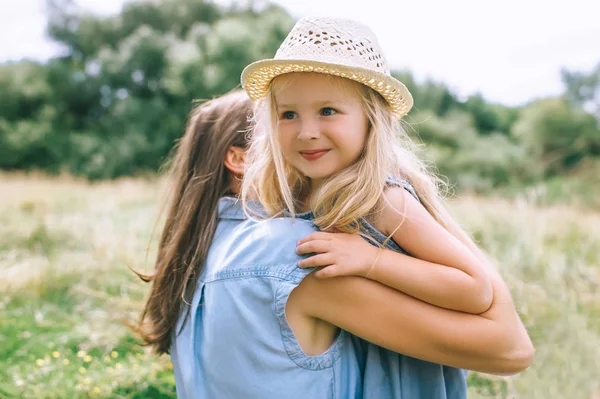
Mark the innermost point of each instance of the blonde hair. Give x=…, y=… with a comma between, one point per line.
x=352, y=193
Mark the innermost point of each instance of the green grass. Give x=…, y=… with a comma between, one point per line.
x=66, y=292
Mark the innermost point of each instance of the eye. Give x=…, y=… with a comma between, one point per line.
x=288, y=115
x=328, y=111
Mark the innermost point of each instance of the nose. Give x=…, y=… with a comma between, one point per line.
x=308, y=129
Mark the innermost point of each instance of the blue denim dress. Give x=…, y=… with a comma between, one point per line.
x=237, y=342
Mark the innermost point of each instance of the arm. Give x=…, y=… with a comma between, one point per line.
x=494, y=342
x=441, y=271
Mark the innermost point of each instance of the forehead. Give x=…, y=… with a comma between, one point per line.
x=302, y=87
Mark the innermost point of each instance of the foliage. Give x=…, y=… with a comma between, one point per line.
x=115, y=101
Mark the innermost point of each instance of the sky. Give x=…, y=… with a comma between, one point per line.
x=510, y=51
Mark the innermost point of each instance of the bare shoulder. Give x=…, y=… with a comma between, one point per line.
x=398, y=206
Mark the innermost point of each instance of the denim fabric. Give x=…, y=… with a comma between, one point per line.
x=237, y=342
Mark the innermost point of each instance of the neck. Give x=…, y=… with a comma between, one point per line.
x=315, y=185
x=235, y=183
x=308, y=194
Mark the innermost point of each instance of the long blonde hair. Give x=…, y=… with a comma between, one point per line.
x=353, y=193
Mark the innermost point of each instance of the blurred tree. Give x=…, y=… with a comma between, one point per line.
x=454, y=130
x=557, y=135
x=471, y=161
x=118, y=96
x=429, y=95
x=116, y=99
x=24, y=90
x=583, y=89
x=490, y=118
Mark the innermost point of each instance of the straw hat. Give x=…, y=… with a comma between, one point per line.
x=333, y=46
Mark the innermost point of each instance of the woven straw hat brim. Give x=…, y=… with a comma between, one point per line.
x=257, y=76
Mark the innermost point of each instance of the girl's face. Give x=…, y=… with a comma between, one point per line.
x=321, y=125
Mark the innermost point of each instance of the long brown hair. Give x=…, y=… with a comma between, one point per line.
x=199, y=179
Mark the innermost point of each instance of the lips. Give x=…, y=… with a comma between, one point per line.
x=312, y=155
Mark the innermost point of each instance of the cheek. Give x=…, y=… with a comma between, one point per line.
x=286, y=137
x=354, y=140
x=362, y=132
x=355, y=148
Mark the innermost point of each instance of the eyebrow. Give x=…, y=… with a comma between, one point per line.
x=316, y=103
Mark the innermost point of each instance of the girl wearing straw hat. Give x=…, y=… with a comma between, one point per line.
x=327, y=148
x=281, y=310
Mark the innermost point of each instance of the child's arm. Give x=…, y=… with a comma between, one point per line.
x=441, y=271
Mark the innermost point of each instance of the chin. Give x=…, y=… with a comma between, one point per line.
x=318, y=175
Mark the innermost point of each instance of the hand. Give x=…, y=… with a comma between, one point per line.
x=338, y=254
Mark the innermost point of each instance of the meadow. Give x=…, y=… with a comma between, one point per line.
x=67, y=295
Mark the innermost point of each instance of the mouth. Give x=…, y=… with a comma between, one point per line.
x=312, y=155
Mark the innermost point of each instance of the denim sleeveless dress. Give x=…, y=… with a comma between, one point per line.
x=237, y=342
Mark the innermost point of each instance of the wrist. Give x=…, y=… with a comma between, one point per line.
x=370, y=271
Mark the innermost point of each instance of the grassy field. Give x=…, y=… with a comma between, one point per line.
x=66, y=292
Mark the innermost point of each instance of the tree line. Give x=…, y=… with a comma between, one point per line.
x=116, y=99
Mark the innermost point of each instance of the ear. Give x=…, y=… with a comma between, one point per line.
x=235, y=160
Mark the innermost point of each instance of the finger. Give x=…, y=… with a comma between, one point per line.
x=316, y=261
x=315, y=236
x=317, y=246
x=328, y=272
